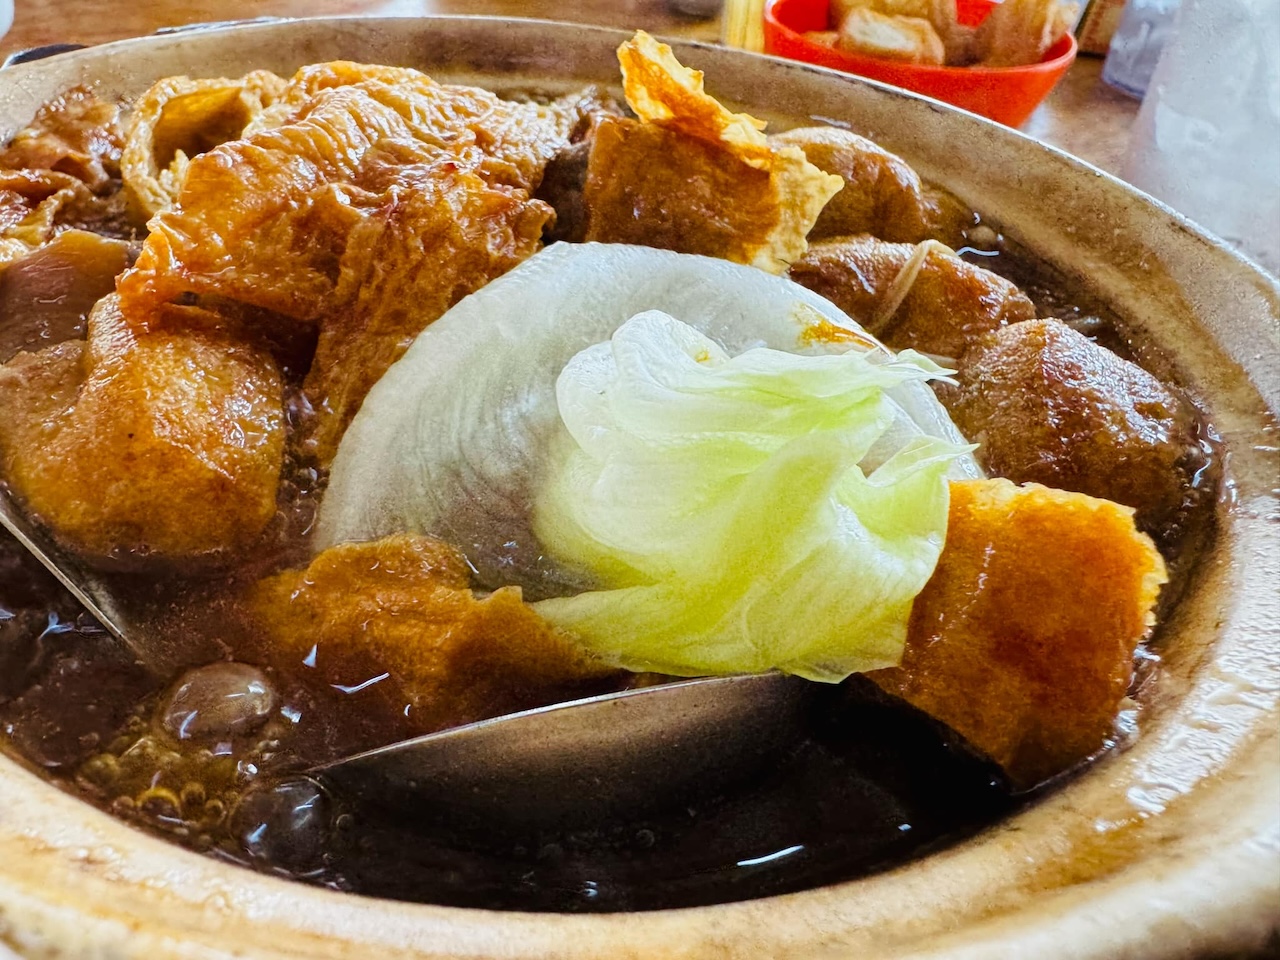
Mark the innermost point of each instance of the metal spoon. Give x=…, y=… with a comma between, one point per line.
x=587, y=758
x=593, y=757
x=162, y=656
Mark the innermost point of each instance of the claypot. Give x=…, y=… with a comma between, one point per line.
x=1170, y=848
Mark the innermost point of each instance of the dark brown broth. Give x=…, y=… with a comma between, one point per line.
x=872, y=784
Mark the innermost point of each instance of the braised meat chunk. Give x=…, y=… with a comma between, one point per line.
x=920, y=296
x=1050, y=406
x=403, y=606
x=77, y=134
x=1022, y=641
x=882, y=196
x=157, y=445
x=46, y=296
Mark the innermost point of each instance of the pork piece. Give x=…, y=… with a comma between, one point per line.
x=440, y=235
x=882, y=195
x=37, y=205
x=77, y=134
x=1022, y=641
x=691, y=176
x=163, y=445
x=1050, y=406
x=46, y=296
x=923, y=296
x=402, y=606
x=565, y=177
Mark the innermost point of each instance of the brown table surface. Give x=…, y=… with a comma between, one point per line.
x=1082, y=116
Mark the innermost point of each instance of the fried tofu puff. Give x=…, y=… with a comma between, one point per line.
x=1022, y=641
x=165, y=445
x=1048, y=405
x=922, y=296
x=403, y=606
x=693, y=177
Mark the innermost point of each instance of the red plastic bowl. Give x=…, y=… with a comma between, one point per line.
x=1006, y=94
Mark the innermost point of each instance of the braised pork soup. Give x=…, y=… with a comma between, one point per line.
x=419, y=406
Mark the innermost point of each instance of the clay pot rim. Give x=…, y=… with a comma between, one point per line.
x=76, y=882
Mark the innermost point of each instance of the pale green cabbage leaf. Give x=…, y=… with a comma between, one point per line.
x=720, y=503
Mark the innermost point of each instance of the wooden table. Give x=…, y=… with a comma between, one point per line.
x=1083, y=116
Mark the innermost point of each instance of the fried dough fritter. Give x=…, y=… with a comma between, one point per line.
x=403, y=606
x=1020, y=32
x=904, y=39
x=693, y=177
x=1048, y=405
x=882, y=195
x=160, y=445
x=1022, y=641
x=919, y=297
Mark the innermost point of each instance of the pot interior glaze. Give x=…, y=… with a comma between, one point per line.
x=1169, y=848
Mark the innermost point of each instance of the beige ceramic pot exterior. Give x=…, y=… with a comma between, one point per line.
x=1170, y=849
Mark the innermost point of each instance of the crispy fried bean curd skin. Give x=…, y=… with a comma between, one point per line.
x=1050, y=406
x=180, y=118
x=948, y=304
x=265, y=220
x=1023, y=640
x=166, y=445
x=691, y=176
x=403, y=605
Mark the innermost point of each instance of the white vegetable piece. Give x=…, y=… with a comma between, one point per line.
x=459, y=435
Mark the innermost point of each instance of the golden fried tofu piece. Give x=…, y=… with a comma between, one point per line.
x=923, y=297
x=907, y=39
x=136, y=446
x=691, y=176
x=403, y=606
x=265, y=220
x=180, y=118
x=882, y=195
x=76, y=134
x=942, y=15
x=1019, y=32
x=1048, y=405
x=442, y=234
x=1022, y=641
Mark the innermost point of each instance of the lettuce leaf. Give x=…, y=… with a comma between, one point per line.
x=726, y=507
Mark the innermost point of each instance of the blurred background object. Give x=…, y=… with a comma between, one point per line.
x=6, y=16
x=1207, y=139
x=1098, y=21
x=1135, y=47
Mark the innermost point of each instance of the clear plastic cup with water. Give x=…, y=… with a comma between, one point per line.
x=1135, y=48
x=1207, y=139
